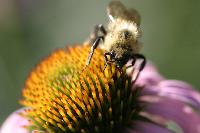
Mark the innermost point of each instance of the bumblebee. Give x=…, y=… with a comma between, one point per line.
x=120, y=39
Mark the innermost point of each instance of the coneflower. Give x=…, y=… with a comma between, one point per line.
x=62, y=95
x=65, y=96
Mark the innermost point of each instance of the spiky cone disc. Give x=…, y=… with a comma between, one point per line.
x=62, y=95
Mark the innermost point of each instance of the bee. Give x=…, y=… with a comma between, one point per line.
x=121, y=39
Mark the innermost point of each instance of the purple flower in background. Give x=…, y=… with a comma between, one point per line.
x=169, y=106
x=15, y=123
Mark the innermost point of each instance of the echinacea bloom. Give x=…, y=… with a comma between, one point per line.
x=61, y=95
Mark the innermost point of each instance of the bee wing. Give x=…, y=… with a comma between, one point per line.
x=116, y=9
x=134, y=16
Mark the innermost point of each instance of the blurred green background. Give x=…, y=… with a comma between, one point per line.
x=31, y=29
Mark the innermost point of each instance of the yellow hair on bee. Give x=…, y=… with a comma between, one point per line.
x=116, y=35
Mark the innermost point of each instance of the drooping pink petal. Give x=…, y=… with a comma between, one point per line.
x=146, y=127
x=175, y=83
x=174, y=89
x=15, y=123
x=173, y=110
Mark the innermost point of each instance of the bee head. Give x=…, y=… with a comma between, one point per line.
x=120, y=56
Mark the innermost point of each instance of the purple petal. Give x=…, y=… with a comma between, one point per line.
x=175, y=83
x=15, y=123
x=173, y=110
x=146, y=127
x=176, y=90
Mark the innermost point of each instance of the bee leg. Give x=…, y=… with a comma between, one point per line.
x=94, y=46
x=136, y=72
x=106, y=59
x=132, y=63
x=119, y=69
x=140, y=56
x=98, y=31
x=101, y=28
